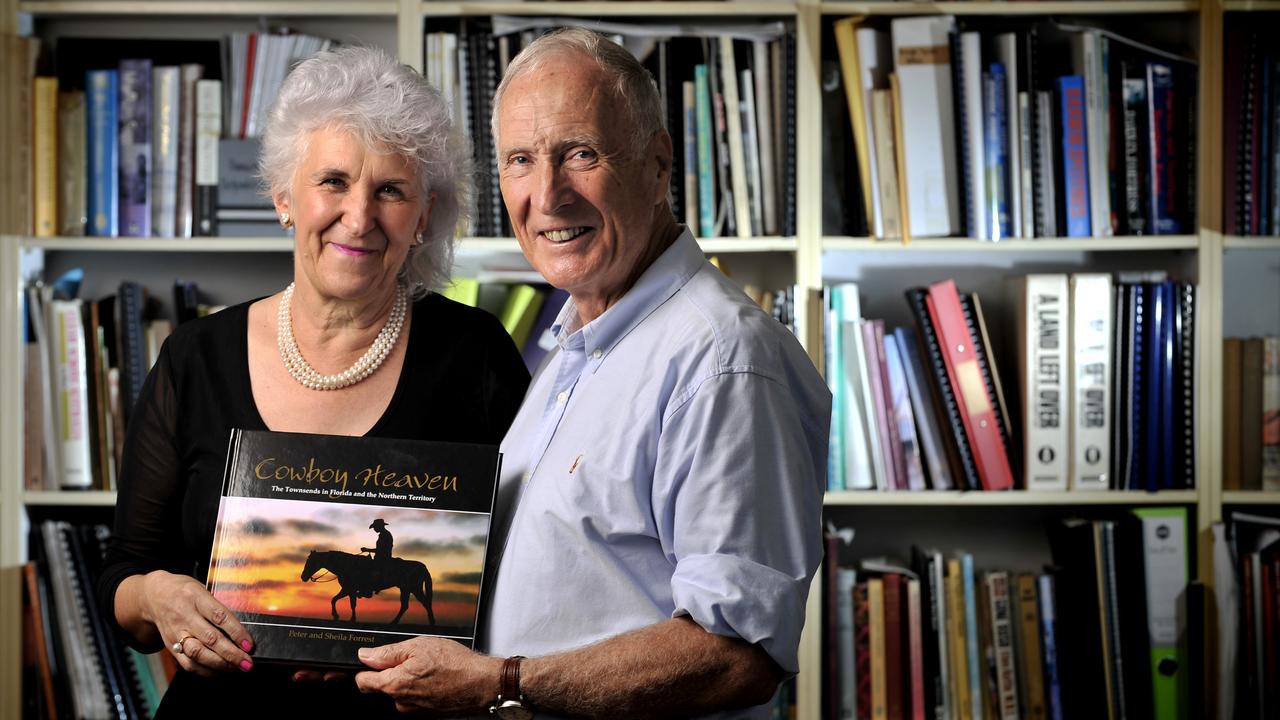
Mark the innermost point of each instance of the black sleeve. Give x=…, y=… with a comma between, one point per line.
x=147, y=533
x=505, y=381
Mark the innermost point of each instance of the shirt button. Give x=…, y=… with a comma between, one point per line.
x=562, y=397
x=525, y=477
x=597, y=354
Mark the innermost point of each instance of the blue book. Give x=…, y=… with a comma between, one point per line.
x=1049, y=647
x=706, y=165
x=1162, y=158
x=996, y=144
x=135, y=148
x=976, y=661
x=101, y=174
x=1150, y=402
x=1075, y=156
x=1167, y=317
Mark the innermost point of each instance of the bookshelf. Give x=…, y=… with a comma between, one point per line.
x=808, y=259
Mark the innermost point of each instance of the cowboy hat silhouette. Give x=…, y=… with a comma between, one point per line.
x=377, y=523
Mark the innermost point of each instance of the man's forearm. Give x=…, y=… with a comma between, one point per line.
x=671, y=669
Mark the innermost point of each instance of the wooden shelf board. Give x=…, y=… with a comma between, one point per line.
x=723, y=246
x=1237, y=242
x=959, y=244
x=129, y=244
x=1250, y=5
x=221, y=8
x=1094, y=7
x=929, y=498
x=1250, y=497
x=620, y=8
x=73, y=498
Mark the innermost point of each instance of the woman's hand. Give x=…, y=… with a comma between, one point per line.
x=189, y=619
x=430, y=674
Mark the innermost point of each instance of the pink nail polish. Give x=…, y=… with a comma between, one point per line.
x=246, y=645
x=246, y=665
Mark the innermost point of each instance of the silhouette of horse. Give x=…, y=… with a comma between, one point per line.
x=355, y=573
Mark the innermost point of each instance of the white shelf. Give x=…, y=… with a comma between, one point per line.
x=70, y=498
x=1236, y=242
x=1024, y=498
x=222, y=8
x=132, y=244
x=1127, y=243
x=621, y=8
x=1106, y=7
x=1250, y=497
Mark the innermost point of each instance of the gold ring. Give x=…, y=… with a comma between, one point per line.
x=177, y=646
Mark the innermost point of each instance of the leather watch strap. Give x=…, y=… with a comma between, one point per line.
x=511, y=678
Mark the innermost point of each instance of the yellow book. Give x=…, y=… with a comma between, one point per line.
x=44, y=120
x=875, y=610
x=960, y=698
x=72, y=213
x=463, y=290
x=901, y=155
x=521, y=309
x=850, y=70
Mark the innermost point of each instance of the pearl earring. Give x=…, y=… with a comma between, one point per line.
x=284, y=219
x=418, y=238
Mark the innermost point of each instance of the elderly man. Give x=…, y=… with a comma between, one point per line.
x=658, y=516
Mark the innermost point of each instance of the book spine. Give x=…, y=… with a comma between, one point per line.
x=886, y=163
x=915, y=649
x=72, y=163
x=959, y=660
x=764, y=124
x=166, y=104
x=873, y=347
x=706, y=170
x=847, y=684
x=931, y=347
x=1045, y=323
x=965, y=375
x=135, y=148
x=1002, y=637
x=996, y=143
x=208, y=131
x=1135, y=103
x=1163, y=149
x=1075, y=156
x=970, y=111
x=71, y=388
x=689, y=97
x=876, y=613
x=101, y=111
x=734, y=137
x=45, y=154
x=1028, y=655
x=1026, y=167
x=972, y=643
x=862, y=648
x=187, y=119
x=924, y=411
x=1046, y=171
x=895, y=615
x=1271, y=414
x=1049, y=643
x=1091, y=332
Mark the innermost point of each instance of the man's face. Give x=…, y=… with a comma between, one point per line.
x=583, y=204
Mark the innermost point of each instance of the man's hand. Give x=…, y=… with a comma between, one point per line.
x=440, y=677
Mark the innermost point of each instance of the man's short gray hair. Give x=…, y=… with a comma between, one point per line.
x=389, y=107
x=632, y=85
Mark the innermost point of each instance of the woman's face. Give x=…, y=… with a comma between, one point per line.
x=356, y=213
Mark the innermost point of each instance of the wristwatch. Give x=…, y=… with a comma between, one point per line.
x=510, y=703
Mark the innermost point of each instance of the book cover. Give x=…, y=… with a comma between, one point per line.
x=996, y=142
x=1163, y=152
x=1165, y=545
x=166, y=106
x=45, y=149
x=296, y=528
x=73, y=137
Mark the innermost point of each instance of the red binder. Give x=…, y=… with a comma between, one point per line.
x=977, y=407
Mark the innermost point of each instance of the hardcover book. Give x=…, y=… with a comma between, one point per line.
x=304, y=552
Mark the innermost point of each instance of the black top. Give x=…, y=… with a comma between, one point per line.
x=462, y=381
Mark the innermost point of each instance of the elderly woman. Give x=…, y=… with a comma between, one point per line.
x=360, y=162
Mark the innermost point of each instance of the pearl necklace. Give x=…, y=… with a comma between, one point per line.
x=363, y=368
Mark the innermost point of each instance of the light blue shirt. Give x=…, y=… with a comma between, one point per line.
x=669, y=459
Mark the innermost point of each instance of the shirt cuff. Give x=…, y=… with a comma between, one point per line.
x=733, y=596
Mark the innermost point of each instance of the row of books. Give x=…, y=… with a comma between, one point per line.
x=1247, y=586
x=1104, y=397
x=728, y=93
x=74, y=662
x=84, y=365
x=1036, y=132
x=526, y=311
x=1251, y=96
x=125, y=137
x=1251, y=413
x=1108, y=630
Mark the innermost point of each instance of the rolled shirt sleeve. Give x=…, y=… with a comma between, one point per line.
x=737, y=493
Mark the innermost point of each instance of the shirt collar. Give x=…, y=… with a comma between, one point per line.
x=656, y=285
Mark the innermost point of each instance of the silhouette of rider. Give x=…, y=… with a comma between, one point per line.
x=381, y=556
